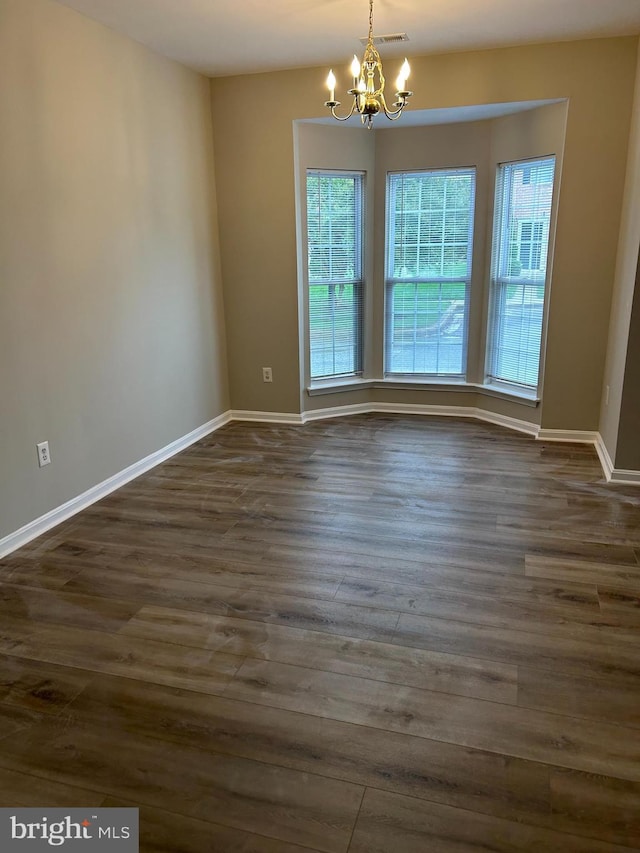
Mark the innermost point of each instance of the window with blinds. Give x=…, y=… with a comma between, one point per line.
x=335, y=272
x=524, y=193
x=428, y=272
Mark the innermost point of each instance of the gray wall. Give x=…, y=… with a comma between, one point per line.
x=111, y=315
x=628, y=449
x=619, y=366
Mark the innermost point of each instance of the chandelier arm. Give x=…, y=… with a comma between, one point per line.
x=395, y=114
x=332, y=108
x=392, y=115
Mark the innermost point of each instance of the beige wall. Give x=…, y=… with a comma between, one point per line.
x=111, y=331
x=256, y=191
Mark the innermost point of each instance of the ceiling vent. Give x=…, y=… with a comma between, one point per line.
x=392, y=38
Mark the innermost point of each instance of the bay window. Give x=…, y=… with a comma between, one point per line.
x=420, y=306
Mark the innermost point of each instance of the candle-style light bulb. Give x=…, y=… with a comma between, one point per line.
x=331, y=85
x=355, y=67
x=401, y=82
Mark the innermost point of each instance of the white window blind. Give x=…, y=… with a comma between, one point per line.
x=335, y=247
x=524, y=193
x=429, y=251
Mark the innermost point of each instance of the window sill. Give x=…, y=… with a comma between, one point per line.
x=335, y=386
x=506, y=392
x=332, y=386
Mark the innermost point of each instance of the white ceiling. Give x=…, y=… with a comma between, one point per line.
x=222, y=37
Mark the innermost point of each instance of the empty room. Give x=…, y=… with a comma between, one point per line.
x=320, y=426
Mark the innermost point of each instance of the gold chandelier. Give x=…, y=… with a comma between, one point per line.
x=368, y=96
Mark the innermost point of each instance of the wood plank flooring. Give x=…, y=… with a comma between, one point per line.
x=376, y=634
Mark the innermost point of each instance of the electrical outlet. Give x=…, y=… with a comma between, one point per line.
x=44, y=457
x=267, y=375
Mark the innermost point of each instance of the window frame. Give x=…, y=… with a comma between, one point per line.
x=390, y=281
x=358, y=282
x=499, y=278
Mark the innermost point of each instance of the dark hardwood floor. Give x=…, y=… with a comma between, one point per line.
x=377, y=634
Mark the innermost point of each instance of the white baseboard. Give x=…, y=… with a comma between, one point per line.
x=510, y=423
x=266, y=417
x=605, y=459
x=41, y=525
x=624, y=476
x=336, y=412
x=573, y=436
x=620, y=476
x=61, y=513
x=417, y=409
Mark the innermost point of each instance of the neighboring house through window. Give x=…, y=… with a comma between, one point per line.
x=531, y=237
x=522, y=218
